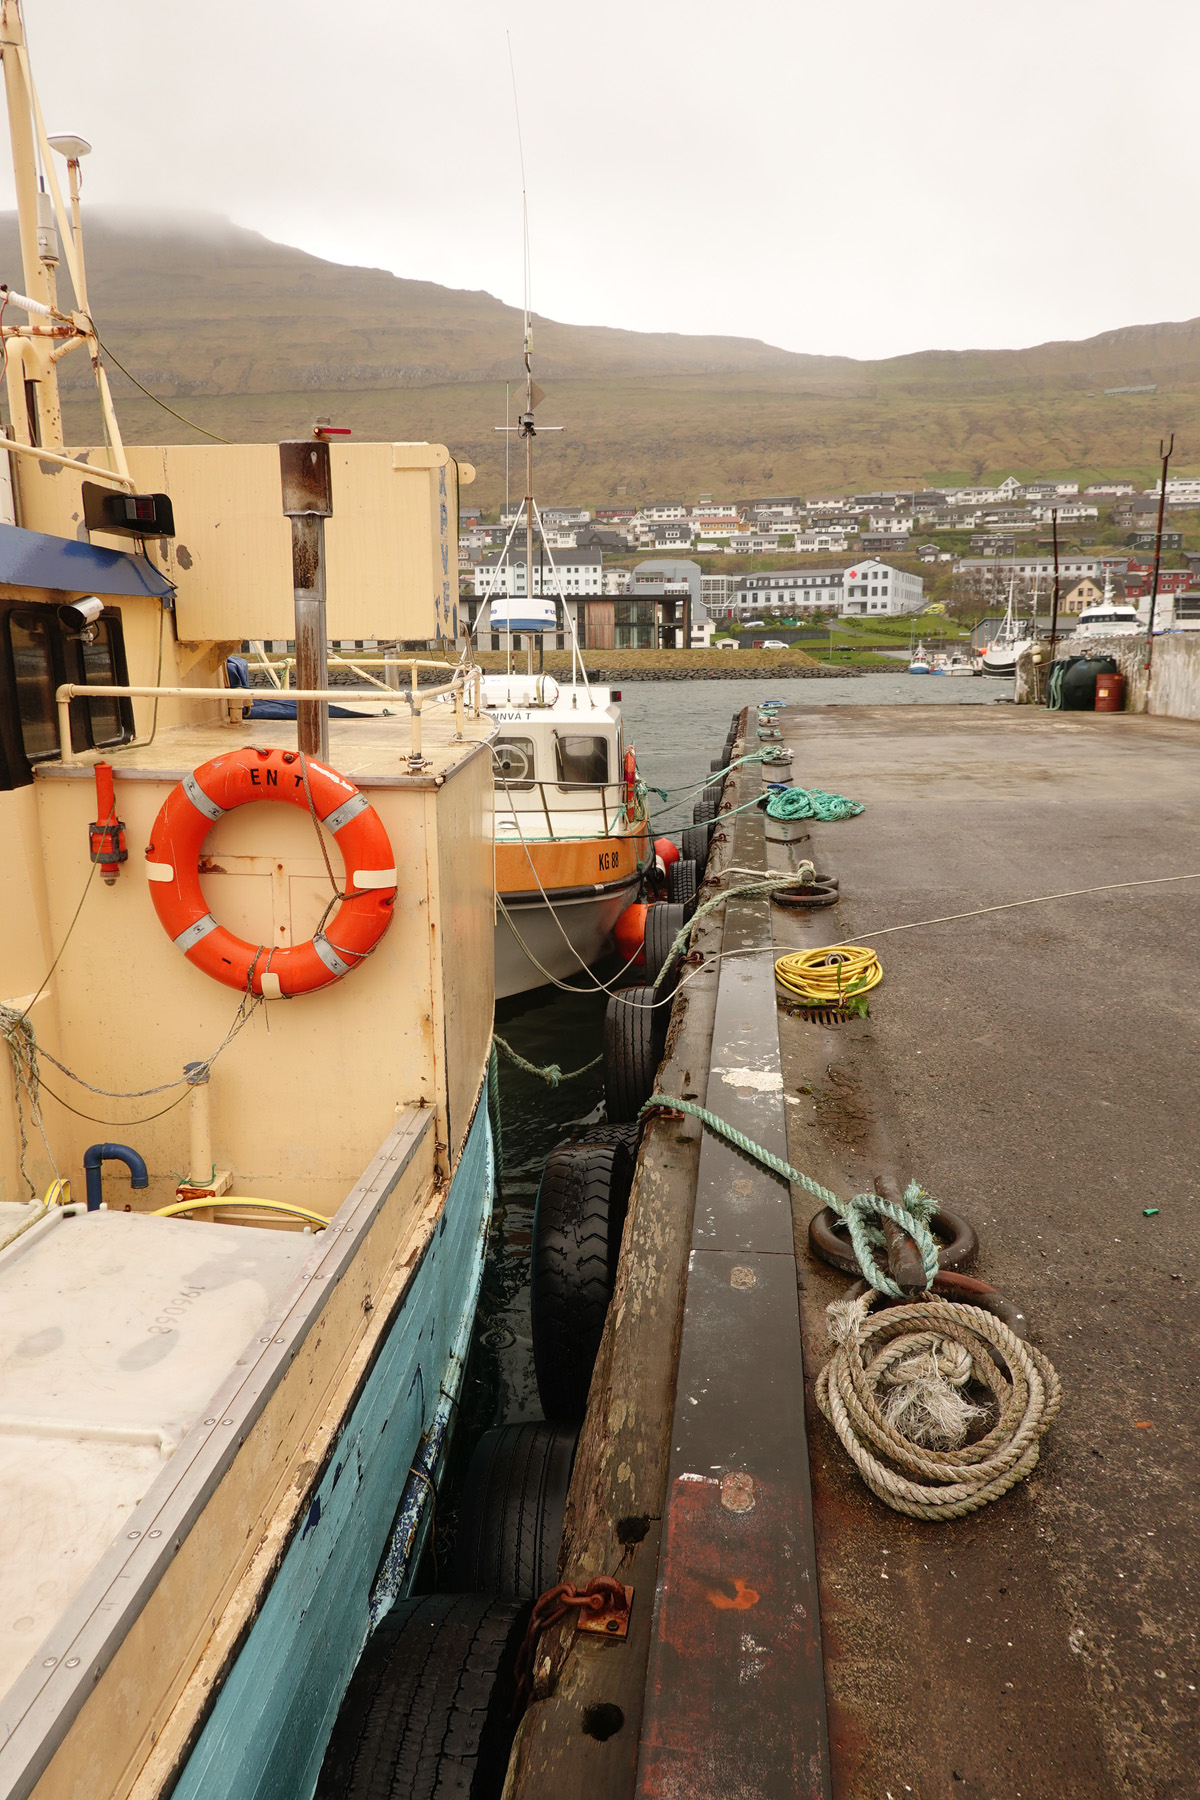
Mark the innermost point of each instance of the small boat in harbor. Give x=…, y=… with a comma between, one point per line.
x=1106, y=617
x=999, y=656
x=953, y=663
x=571, y=833
x=919, y=663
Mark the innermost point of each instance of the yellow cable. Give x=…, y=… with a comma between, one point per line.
x=831, y=975
x=279, y=1206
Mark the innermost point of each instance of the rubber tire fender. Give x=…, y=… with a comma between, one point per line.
x=958, y=1245
x=718, y=765
x=577, y=1226
x=693, y=845
x=635, y=1028
x=510, y=1516
x=713, y=792
x=703, y=812
x=664, y=922
x=681, y=883
x=605, y=1133
x=428, y=1712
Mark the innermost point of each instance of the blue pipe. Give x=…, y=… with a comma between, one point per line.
x=102, y=1153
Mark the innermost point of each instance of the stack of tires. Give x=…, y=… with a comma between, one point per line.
x=429, y=1710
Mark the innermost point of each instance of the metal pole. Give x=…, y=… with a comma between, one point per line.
x=1054, y=606
x=529, y=525
x=1162, y=502
x=308, y=502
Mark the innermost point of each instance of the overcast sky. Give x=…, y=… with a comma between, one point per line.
x=865, y=179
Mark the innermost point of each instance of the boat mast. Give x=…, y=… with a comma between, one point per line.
x=29, y=366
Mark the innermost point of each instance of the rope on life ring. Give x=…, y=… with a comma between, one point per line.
x=172, y=868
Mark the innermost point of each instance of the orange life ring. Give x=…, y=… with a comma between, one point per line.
x=172, y=867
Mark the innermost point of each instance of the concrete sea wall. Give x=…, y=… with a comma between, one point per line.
x=1172, y=689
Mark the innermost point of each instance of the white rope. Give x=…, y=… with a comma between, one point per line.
x=894, y=1392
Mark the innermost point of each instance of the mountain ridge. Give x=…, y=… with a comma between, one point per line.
x=251, y=339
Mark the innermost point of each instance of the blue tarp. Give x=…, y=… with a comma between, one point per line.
x=34, y=559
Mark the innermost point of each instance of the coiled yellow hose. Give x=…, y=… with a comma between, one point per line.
x=831, y=975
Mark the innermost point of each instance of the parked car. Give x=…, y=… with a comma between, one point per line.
x=772, y=644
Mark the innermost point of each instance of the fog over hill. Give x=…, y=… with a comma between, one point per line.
x=251, y=339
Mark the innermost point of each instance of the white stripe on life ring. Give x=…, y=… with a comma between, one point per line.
x=374, y=878
x=159, y=872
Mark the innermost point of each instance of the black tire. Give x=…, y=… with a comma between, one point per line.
x=511, y=1514
x=664, y=922
x=693, y=845
x=681, y=882
x=428, y=1712
x=704, y=812
x=713, y=792
x=634, y=1029
x=718, y=763
x=577, y=1226
x=628, y=1135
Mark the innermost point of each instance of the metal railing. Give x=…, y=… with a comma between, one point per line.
x=247, y=697
x=602, y=789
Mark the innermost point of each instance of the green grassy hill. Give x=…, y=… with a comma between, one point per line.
x=253, y=339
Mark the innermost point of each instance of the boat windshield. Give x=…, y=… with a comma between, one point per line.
x=580, y=758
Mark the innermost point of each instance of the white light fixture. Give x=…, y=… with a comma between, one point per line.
x=70, y=146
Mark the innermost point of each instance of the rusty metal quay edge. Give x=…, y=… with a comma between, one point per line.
x=692, y=1482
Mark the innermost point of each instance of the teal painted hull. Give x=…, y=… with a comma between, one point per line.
x=266, y=1735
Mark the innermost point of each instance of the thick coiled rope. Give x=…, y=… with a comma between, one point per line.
x=889, y=1392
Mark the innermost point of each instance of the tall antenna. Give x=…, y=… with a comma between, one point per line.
x=533, y=393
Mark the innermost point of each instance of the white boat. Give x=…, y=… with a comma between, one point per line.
x=999, y=657
x=1106, y=617
x=572, y=841
x=954, y=663
x=919, y=663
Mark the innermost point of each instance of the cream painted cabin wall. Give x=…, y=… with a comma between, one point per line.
x=303, y=1097
x=391, y=545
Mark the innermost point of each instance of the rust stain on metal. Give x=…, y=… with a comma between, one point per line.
x=737, y=1492
x=610, y=1621
x=742, y=1598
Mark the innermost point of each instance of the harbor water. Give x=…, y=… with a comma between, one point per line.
x=677, y=729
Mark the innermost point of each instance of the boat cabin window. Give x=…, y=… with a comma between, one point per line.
x=580, y=759
x=512, y=761
x=37, y=653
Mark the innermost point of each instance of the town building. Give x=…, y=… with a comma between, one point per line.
x=869, y=587
x=579, y=572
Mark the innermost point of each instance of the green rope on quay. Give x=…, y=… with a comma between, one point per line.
x=812, y=803
x=550, y=1073
x=913, y=1217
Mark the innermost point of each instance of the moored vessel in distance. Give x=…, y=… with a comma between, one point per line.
x=226, y=1377
x=572, y=839
x=919, y=661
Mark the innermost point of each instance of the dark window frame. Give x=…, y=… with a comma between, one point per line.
x=67, y=664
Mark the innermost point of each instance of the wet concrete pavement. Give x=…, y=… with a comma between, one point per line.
x=1037, y=1070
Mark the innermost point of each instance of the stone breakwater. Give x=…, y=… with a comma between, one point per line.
x=733, y=671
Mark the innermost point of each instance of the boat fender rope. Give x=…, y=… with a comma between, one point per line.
x=912, y=1217
x=550, y=1073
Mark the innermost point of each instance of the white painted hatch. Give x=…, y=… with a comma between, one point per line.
x=115, y=1328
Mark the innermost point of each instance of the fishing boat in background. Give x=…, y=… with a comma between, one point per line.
x=1106, y=617
x=571, y=831
x=953, y=663
x=999, y=656
x=258, y=1035
x=919, y=661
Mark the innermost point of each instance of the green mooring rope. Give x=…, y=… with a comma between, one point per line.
x=549, y=1072
x=812, y=803
x=913, y=1217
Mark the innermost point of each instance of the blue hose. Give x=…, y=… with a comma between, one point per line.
x=98, y=1154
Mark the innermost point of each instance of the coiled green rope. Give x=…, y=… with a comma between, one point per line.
x=865, y=1237
x=812, y=803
